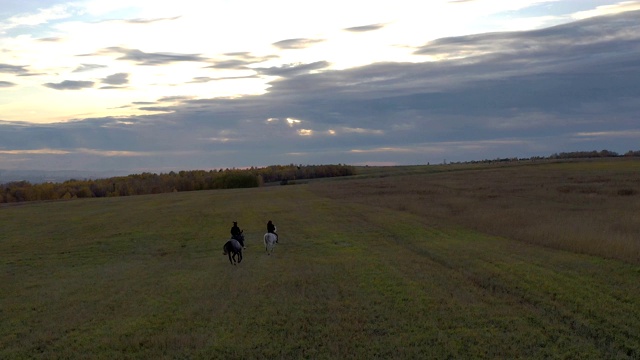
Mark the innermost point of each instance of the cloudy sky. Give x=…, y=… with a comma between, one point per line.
x=146, y=85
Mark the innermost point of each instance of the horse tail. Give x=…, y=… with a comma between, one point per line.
x=224, y=249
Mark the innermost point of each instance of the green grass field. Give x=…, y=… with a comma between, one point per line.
x=144, y=278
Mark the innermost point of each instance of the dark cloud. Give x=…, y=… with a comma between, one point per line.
x=231, y=64
x=31, y=74
x=238, y=61
x=13, y=69
x=150, y=59
x=116, y=79
x=88, y=67
x=5, y=84
x=580, y=37
x=201, y=79
x=573, y=87
x=296, y=43
x=50, y=39
x=365, y=28
x=156, y=108
x=293, y=69
x=70, y=85
x=174, y=98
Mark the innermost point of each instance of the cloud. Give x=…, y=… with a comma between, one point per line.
x=6, y=84
x=50, y=39
x=150, y=59
x=239, y=61
x=583, y=37
x=116, y=79
x=112, y=153
x=149, y=21
x=205, y=79
x=506, y=94
x=34, y=151
x=296, y=43
x=230, y=64
x=608, y=9
x=365, y=28
x=293, y=69
x=174, y=98
x=13, y=69
x=88, y=67
x=100, y=153
x=362, y=131
x=70, y=85
x=157, y=108
x=630, y=133
x=41, y=16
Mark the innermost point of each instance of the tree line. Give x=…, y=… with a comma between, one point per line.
x=151, y=183
x=560, y=156
x=592, y=154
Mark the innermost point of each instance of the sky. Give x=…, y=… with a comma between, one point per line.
x=158, y=86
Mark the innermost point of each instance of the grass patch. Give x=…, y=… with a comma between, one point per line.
x=575, y=206
x=144, y=277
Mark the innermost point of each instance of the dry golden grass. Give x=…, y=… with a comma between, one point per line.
x=590, y=207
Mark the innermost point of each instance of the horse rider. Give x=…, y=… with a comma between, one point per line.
x=235, y=231
x=271, y=228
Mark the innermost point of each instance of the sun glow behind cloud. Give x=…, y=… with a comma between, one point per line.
x=293, y=122
x=82, y=32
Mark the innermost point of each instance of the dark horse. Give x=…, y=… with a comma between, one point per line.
x=233, y=248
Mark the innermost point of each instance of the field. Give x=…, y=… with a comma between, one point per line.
x=537, y=261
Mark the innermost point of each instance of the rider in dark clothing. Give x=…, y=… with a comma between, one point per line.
x=271, y=228
x=235, y=230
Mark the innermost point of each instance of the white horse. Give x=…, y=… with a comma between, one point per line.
x=270, y=241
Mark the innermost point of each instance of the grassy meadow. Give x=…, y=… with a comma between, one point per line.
x=481, y=262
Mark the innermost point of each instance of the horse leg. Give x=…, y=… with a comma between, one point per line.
x=230, y=261
x=239, y=256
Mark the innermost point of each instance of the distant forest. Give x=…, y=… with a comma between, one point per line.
x=150, y=183
x=562, y=156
